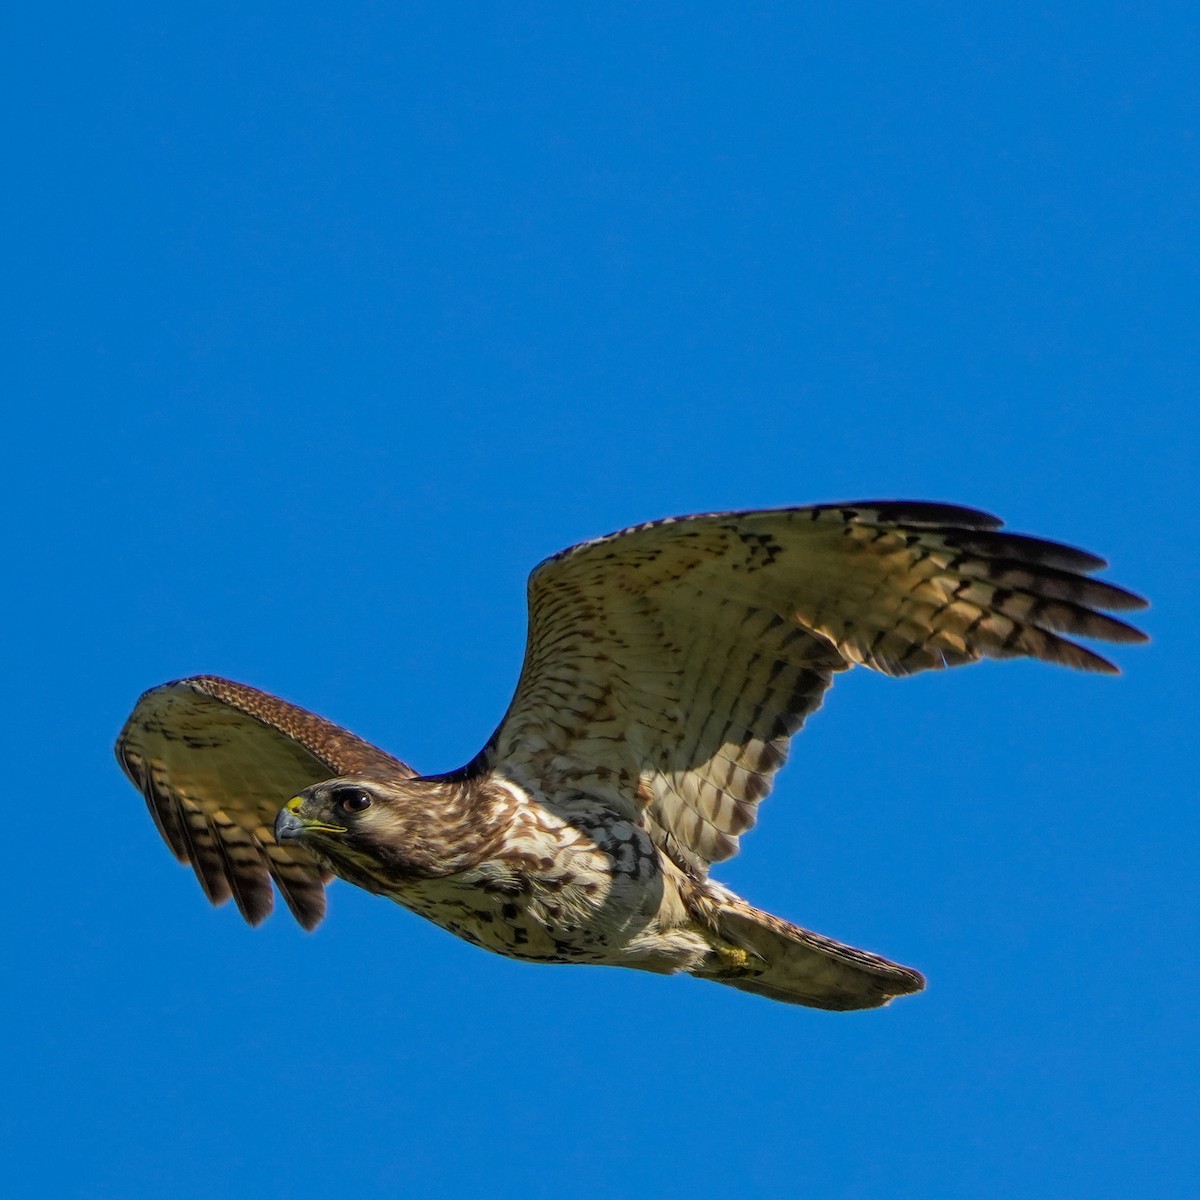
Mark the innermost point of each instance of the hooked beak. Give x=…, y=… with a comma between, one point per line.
x=290, y=826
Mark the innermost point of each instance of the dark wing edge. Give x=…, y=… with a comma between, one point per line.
x=214, y=761
x=1010, y=595
x=1022, y=592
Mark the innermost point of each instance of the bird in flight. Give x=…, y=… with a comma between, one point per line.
x=666, y=668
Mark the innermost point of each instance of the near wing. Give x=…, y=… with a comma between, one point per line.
x=215, y=761
x=667, y=665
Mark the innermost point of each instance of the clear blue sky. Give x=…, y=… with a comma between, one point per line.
x=329, y=321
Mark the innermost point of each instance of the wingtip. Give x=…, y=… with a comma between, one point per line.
x=308, y=909
x=309, y=917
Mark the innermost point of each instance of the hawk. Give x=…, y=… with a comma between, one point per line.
x=666, y=668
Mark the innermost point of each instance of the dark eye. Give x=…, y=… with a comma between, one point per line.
x=353, y=801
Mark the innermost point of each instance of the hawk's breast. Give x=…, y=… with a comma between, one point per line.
x=568, y=884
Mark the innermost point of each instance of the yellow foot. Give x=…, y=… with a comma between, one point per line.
x=732, y=957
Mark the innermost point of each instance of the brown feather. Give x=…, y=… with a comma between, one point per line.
x=215, y=761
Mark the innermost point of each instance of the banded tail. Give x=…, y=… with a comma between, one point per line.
x=773, y=958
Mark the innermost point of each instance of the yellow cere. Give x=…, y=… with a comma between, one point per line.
x=293, y=805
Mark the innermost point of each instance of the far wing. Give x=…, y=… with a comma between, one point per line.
x=667, y=665
x=215, y=760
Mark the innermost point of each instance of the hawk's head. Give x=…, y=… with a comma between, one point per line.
x=393, y=831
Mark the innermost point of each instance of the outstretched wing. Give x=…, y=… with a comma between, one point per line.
x=667, y=665
x=215, y=761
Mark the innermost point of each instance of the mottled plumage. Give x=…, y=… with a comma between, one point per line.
x=666, y=668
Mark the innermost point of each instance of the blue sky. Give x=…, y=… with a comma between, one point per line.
x=328, y=322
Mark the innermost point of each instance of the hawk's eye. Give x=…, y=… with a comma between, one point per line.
x=354, y=801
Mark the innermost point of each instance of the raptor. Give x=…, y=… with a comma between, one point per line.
x=666, y=668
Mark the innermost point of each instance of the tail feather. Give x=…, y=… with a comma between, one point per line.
x=779, y=960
